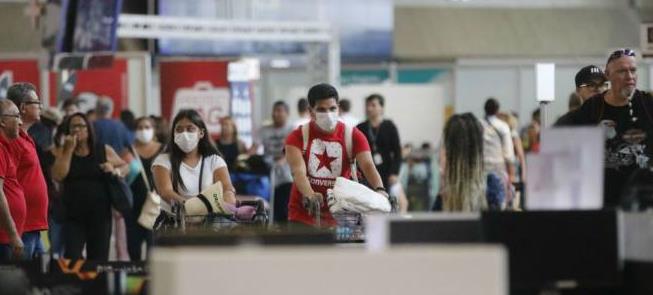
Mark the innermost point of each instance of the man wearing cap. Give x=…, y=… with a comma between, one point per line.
x=590, y=81
x=29, y=173
x=626, y=115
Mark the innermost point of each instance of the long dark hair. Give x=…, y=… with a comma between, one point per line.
x=64, y=129
x=205, y=147
x=465, y=181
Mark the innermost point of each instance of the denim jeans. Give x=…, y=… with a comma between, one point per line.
x=32, y=243
x=55, y=234
x=5, y=253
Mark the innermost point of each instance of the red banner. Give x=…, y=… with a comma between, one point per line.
x=22, y=70
x=111, y=82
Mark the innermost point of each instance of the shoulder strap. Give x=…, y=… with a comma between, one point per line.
x=101, y=153
x=143, y=174
x=199, y=188
x=349, y=142
x=305, y=130
x=349, y=147
x=487, y=119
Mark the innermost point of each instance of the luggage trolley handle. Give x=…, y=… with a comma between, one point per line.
x=180, y=215
x=394, y=203
x=311, y=205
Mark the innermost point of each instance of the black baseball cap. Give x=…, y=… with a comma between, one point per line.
x=589, y=74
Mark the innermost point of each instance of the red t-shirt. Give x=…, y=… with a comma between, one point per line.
x=23, y=151
x=326, y=159
x=13, y=191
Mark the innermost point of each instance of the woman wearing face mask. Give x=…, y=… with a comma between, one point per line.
x=190, y=163
x=147, y=147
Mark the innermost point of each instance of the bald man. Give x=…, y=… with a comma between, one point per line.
x=625, y=114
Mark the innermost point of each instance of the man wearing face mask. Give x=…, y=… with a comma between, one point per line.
x=316, y=165
x=625, y=113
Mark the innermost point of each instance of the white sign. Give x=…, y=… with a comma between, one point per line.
x=545, y=82
x=567, y=174
x=211, y=102
x=6, y=79
x=154, y=27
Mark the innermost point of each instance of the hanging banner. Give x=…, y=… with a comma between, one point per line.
x=241, y=112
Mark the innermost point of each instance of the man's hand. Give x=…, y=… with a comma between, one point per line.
x=280, y=161
x=392, y=179
x=313, y=202
x=16, y=244
x=383, y=193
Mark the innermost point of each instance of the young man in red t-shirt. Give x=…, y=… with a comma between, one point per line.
x=23, y=152
x=325, y=157
x=12, y=200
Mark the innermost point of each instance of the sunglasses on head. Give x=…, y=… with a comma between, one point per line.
x=621, y=53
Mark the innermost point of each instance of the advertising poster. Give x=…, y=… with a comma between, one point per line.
x=198, y=84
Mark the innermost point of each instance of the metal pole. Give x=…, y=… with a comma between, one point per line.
x=334, y=58
x=544, y=121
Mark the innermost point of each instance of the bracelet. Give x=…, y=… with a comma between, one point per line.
x=380, y=188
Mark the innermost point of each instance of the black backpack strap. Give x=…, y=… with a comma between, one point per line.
x=100, y=153
x=199, y=188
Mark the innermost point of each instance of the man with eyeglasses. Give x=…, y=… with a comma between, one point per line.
x=625, y=114
x=12, y=200
x=590, y=81
x=30, y=174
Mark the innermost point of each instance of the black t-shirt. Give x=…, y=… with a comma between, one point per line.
x=565, y=120
x=385, y=142
x=628, y=145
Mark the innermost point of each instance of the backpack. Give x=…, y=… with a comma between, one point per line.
x=349, y=146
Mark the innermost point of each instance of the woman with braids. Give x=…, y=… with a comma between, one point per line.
x=465, y=185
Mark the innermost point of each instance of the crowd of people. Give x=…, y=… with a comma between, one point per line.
x=57, y=166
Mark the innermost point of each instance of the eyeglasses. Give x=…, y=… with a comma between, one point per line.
x=595, y=86
x=78, y=126
x=11, y=115
x=620, y=53
x=33, y=102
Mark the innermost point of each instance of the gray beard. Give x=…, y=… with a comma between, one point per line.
x=627, y=92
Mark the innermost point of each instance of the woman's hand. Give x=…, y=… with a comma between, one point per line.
x=69, y=143
x=107, y=167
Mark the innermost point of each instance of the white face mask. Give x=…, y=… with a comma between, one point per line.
x=187, y=141
x=327, y=121
x=144, y=135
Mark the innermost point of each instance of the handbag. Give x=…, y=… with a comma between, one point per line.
x=152, y=205
x=120, y=194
